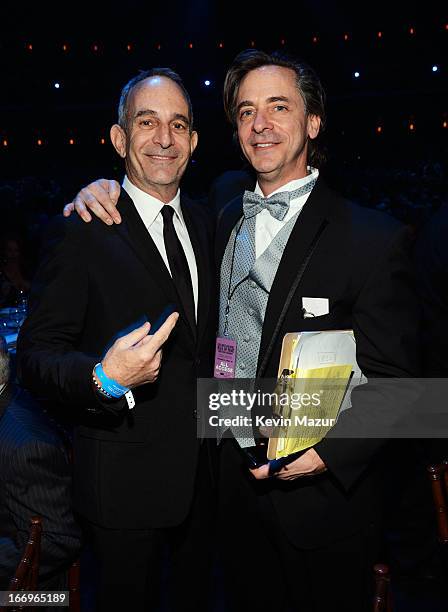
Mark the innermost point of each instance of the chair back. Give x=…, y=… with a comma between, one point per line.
x=26, y=576
x=438, y=475
x=382, y=601
x=27, y=573
x=73, y=587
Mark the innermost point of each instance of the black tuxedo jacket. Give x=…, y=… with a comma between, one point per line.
x=133, y=468
x=431, y=260
x=359, y=260
x=35, y=479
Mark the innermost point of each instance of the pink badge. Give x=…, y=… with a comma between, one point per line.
x=225, y=358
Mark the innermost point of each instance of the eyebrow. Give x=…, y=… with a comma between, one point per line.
x=268, y=100
x=153, y=113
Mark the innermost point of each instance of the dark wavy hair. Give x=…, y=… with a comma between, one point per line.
x=308, y=85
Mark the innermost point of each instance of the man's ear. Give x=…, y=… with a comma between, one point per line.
x=193, y=141
x=118, y=138
x=313, y=126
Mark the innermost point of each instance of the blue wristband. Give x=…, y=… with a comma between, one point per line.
x=109, y=385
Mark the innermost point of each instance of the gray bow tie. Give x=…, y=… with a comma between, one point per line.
x=277, y=205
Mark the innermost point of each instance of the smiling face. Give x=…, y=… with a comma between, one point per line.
x=157, y=142
x=273, y=128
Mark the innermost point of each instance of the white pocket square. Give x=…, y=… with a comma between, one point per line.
x=314, y=307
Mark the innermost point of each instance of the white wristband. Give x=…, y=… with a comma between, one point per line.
x=130, y=399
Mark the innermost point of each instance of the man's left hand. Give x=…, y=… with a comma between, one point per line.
x=308, y=464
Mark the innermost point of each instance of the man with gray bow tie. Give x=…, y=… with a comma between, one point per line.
x=309, y=534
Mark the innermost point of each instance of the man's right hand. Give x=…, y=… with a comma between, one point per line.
x=101, y=198
x=135, y=359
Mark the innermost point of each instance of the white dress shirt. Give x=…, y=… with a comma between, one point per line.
x=267, y=226
x=149, y=208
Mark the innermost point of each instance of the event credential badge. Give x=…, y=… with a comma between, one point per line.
x=225, y=358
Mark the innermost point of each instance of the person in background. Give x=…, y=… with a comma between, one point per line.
x=35, y=480
x=14, y=277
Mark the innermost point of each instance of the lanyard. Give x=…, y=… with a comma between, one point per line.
x=231, y=291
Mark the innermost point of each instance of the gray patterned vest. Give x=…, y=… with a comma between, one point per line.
x=251, y=283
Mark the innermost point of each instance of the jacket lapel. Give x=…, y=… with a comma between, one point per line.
x=133, y=231
x=201, y=253
x=226, y=221
x=310, y=224
x=307, y=229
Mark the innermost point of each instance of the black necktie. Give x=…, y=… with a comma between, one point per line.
x=180, y=271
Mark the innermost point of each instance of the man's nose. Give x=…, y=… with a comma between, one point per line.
x=261, y=122
x=163, y=136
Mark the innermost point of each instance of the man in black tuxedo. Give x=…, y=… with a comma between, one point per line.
x=142, y=479
x=311, y=531
x=35, y=480
x=431, y=260
x=320, y=514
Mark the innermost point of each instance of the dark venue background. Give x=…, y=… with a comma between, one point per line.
x=384, y=66
x=63, y=65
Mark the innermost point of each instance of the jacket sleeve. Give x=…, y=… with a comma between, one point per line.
x=386, y=320
x=38, y=483
x=48, y=362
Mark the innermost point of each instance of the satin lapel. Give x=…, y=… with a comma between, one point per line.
x=202, y=256
x=227, y=220
x=309, y=224
x=133, y=231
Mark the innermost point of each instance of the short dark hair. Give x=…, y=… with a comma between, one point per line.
x=123, y=106
x=308, y=84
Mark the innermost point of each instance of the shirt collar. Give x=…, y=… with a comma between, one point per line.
x=148, y=207
x=292, y=185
